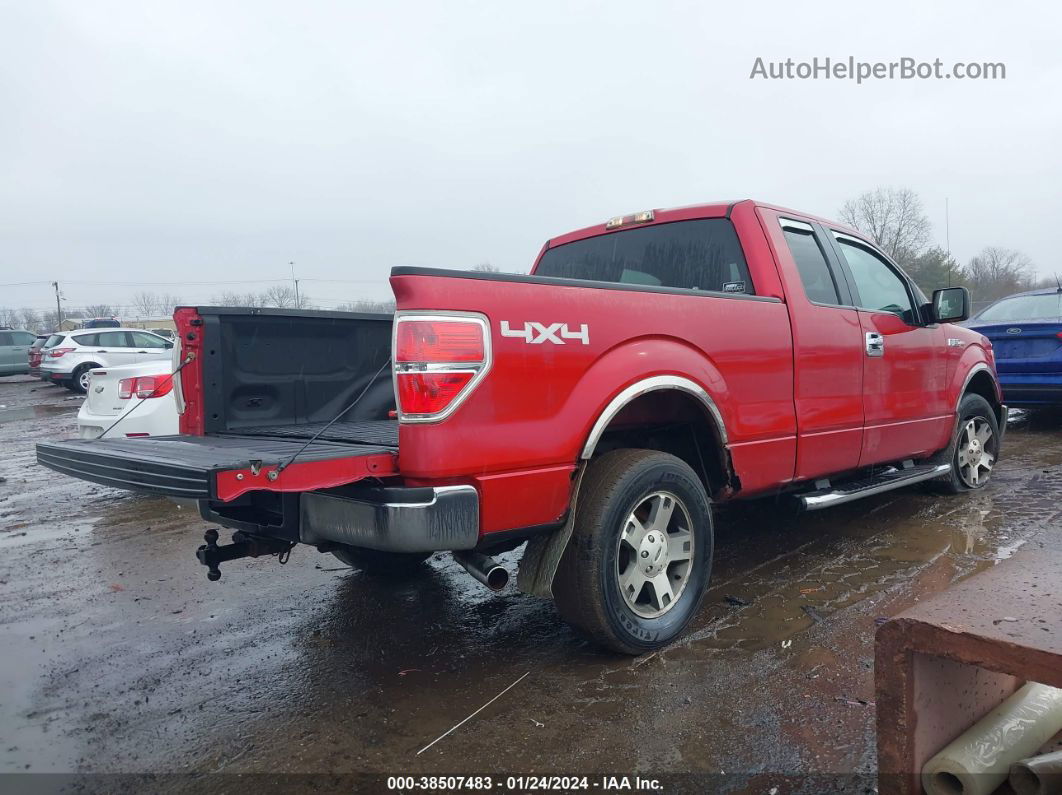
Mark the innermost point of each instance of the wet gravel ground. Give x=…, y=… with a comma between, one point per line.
x=119, y=657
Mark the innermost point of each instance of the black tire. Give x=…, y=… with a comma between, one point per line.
x=382, y=564
x=75, y=384
x=587, y=586
x=972, y=408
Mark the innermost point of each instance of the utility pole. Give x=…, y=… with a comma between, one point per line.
x=296, y=283
x=947, y=237
x=58, y=308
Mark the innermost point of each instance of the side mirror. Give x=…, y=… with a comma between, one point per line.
x=951, y=305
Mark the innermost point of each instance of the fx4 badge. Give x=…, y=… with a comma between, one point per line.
x=537, y=333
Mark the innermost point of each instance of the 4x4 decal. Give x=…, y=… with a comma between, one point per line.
x=536, y=333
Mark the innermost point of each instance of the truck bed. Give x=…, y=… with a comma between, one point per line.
x=202, y=467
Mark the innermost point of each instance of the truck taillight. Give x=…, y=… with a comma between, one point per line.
x=145, y=386
x=438, y=361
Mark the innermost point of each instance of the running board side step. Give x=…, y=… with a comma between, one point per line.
x=869, y=486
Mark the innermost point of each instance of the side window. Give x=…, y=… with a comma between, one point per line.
x=5, y=339
x=88, y=340
x=142, y=340
x=114, y=339
x=819, y=285
x=24, y=338
x=880, y=287
x=702, y=254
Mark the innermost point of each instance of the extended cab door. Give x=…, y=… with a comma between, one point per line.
x=827, y=347
x=904, y=366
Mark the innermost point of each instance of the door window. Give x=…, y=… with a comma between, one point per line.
x=144, y=340
x=88, y=340
x=819, y=285
x=880, y=288
x=5, y=339
x=115, y=339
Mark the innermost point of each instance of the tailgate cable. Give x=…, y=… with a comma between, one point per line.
x=188, y=359
x=274, y=474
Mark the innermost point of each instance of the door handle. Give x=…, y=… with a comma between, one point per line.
x=141, y=351
x=875, y=344
x=101, y=351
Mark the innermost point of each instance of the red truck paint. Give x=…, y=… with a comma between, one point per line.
x=793, y=387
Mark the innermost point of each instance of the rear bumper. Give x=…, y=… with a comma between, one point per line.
x=1031, y=390
x=393, y=519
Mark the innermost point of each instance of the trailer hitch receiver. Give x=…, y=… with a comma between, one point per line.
x=243, y=546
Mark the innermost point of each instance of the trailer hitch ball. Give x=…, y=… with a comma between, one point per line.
x=208, y=556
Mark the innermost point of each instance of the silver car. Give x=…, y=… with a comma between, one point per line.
x=69, y=356
x=14, y=351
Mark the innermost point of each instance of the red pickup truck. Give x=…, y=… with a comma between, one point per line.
x=595, y=409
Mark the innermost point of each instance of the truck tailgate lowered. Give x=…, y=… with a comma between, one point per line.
x=217, y=467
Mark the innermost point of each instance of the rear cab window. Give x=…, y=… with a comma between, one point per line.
x=702, y=255
x=820, y=285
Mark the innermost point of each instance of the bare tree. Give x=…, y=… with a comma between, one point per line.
x=146, y=304
x=279, y=295
x=997, y=272
x=486, y=267
x=49, y=322
x=29, y=319
x=9, y=317
x=167, y=303
x=100, y=310
x=893, y=217
x=375, y=307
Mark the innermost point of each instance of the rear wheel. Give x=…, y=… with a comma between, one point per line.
x=974, y=447
x=79, y=379
x=384, y=564
x=636, y=568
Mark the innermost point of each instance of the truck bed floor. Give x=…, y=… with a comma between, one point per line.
x=382, y=433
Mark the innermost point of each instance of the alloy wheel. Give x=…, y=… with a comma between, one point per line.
x=655, y=554
x=976, y=453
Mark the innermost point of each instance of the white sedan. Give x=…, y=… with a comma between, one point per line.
x=129, y=400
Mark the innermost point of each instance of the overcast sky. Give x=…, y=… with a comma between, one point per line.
x=205, y=141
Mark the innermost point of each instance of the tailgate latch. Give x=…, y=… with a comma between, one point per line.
x=243, y=545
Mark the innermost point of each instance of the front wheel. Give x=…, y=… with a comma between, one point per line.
x=974, y=447
x=637, y=566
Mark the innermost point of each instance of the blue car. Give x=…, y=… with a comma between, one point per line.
x=1026, y=334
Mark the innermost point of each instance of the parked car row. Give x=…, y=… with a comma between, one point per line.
x=69, y=357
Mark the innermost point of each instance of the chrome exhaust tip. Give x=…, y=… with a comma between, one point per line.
x=484, y=568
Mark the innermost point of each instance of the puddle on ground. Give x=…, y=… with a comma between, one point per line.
x=33, y=412
x=891, y=540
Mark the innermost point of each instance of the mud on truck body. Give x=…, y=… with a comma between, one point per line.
x=594, y=409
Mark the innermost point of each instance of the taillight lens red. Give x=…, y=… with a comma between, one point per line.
x=429, y=393
x=145, y=386
x=439, y=341
x=55, y=353
x=437, y=361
